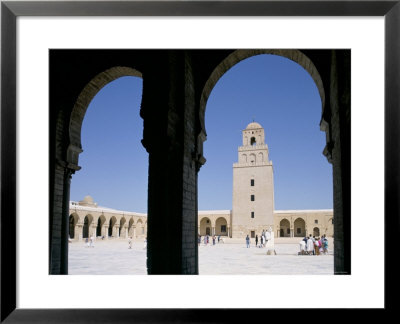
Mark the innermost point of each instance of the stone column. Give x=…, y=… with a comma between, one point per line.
x=169, y=112
x=92, y=231
x=59, y=220
x=79, y=231
x=106, y=232
x=116, y=231
x=340, y=151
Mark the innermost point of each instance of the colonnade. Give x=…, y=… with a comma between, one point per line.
x=82, y=225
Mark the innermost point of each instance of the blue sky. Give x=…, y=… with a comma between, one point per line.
x=274, y=91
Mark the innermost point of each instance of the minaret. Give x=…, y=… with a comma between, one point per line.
x=253, y=185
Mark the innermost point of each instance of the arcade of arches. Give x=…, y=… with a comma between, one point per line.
x=87, y=219
x=176, y=86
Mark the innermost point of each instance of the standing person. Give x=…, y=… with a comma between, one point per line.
x=316, y=246
x=247, y=241
x=92, y=241
x=267, y=236
x=305, y=239
x=145, y=243
x=321, y=249
x=256, y=240
x=213, y=240
x=313, y=239
x=219, y=236
x=262, y=241
x=302, y=247
x=130, y=242
x=207, y=239
x=87, y=242
x=310, y=245
x=325, y=245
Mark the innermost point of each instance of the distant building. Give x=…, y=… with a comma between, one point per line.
x=253, y=199
x=252, y=205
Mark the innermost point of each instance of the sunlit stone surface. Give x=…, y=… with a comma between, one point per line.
x=113, y=257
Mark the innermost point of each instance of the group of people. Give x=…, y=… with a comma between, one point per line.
x=206, y=239
x=312, y=245
x=90, y=241
x=264, y=237
x=130, y=243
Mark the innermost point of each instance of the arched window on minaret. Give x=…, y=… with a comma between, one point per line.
x=260, y=157
x=252, y=159
x=253, y=141
x=244, y=158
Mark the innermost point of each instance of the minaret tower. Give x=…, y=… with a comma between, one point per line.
x=253, y=185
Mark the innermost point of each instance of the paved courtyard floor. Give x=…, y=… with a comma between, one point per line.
x=232, y=257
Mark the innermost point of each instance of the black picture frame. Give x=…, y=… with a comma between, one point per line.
x=10, y=10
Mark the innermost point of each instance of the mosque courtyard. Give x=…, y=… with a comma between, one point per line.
x=113, y=257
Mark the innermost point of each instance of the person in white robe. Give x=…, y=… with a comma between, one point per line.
x=310, y=245
x=302, y=247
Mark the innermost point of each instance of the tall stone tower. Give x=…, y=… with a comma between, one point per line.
x=253, y=185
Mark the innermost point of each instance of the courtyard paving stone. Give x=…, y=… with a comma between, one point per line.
x=113, y=257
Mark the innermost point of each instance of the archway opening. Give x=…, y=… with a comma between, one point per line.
x=100, y=225
x=85, y=230
x=205, y=226
x=72, y=223
x=105, y=132
x=122, y=229
x=221, y=227
x=300, y=227
x=111, y=228
x=282, y=92
x=285, y=228
x=140, y=229
x=131, y=228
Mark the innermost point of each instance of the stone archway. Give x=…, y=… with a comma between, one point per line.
x=316, y=231
x=100, y=225
x=178, y=154
x=82, y=103
x=330, y=70
x=284, y=225
x=205, y=226
x=111, y=226
x=73, y=220
x=221, y=226
x=87, y=221
x=131, y=226
x=122, y=229
x=239, y=55
x=299, y=228
x=139, y=228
